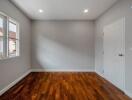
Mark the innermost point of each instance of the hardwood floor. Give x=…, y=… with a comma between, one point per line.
x=64, y=86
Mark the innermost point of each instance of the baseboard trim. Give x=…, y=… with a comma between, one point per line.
x=100, y=74
x=14, y=83
x=60, y=70
x=53, y=70
x=128, y=93
x=38, y=70
x=125, y=91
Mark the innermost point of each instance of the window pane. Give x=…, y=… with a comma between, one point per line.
x=1, y=47
x=12, y=47
x=1, y=26
x=12, y=30
x=13, y=44
x=1, y=38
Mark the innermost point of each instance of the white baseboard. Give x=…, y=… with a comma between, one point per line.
x=14, y=82
x=39, y=70
x=125, y=91
x=100, y=74
x=61, y=70
x=52, y=70
x=128, y=93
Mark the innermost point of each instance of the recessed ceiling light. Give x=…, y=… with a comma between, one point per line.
x=131, y=6
x=40, y=11
x=85, y=11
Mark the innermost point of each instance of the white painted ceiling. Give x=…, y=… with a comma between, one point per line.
x=63, y=9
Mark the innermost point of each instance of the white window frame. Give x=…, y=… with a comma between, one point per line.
x=6, y=29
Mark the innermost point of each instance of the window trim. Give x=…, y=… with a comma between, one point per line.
x=6, y=30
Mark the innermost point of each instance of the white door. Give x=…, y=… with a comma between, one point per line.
x=114, y=53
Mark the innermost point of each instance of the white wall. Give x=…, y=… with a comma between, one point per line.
x=11, y=69
x=119, y=10
x=63, y=45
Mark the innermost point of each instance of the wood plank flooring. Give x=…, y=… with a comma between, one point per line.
x=64, y=86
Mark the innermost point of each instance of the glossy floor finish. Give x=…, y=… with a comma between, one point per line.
x=64, y=86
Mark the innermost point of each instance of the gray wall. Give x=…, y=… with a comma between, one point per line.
x=11, y=69
x=119, y=10
x=63, y=45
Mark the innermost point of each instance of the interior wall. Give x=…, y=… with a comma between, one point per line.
x=11, y=69
x=121, y=9
x=63, y=45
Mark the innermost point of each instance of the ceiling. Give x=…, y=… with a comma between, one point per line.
x=63, y=9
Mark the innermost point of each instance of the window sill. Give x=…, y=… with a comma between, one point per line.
x=8, y=58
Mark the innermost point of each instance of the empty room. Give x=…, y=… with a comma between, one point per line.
x=65, y=49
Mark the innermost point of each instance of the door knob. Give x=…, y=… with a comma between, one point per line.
x=120, y=55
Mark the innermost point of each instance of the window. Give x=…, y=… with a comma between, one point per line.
x=9, y=37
